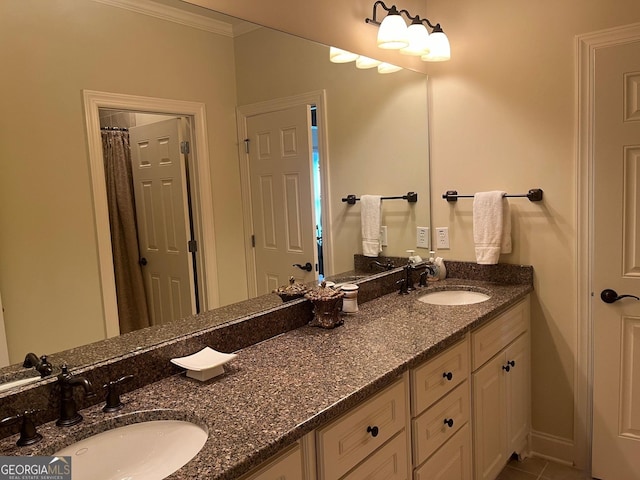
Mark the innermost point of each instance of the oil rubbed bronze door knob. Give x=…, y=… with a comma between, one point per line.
x=610, y=296
x=307, y=266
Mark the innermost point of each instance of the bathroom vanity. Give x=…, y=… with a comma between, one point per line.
x=388, y=393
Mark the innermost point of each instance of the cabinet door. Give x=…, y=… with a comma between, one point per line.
x=351, y=438
x=451, y=462
x=490, y=419
x=437, y=377
x=287, y=466
x=435, y=426
x=518, y=394
x=388, y=463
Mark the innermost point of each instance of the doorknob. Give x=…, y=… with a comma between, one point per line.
x=610, y=296
x=307, y=266
x=143, y=261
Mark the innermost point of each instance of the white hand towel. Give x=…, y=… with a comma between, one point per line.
x=371, y=213
x=491, y=226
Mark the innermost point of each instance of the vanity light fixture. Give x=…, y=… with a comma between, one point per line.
x=363, y=62
x=415, y=39
x=388, y=68
x=337, y=55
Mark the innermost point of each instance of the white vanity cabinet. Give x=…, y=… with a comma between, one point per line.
x=457, y=416
x=440, y=409
x=501, y=390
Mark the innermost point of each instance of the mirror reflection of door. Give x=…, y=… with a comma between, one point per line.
x=280, y=151
x=150, y=220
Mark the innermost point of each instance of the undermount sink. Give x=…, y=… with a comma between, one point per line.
x=140, y=451
x=454, y=297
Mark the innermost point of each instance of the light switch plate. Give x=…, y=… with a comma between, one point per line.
x=383, y=235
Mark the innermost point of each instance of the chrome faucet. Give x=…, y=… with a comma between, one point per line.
x=68, y=409
x=41, y=364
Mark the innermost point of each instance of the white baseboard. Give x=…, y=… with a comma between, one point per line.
x=552, y=447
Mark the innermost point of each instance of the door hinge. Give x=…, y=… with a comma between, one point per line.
x=253, y=241
x=246, y=145
x=184, y=147
x=193, y=246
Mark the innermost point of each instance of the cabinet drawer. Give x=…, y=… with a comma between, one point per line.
x=388, y=463
x=452, y=461
x=497, y=334
x=349, y=439
x=436, y=377
x=430, y=430
x=286, y=466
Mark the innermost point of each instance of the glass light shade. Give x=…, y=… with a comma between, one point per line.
x=337, y=55
x=418, y=40
x=388, y=68
x=366, y=62
x=440, y=50
x=392, y=34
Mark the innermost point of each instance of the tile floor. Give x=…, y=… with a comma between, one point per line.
x=539, y=469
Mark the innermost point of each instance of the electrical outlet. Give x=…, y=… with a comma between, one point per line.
x=442, y=237
x=383, y=235
x=422, y=237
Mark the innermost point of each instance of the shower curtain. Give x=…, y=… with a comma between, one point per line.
x=132, y=301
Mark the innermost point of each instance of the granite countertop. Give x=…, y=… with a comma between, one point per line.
x=278, y=390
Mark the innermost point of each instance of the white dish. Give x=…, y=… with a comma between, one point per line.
x=205, y=364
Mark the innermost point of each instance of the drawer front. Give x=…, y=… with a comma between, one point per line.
x=439, y=376
x=287, y=466
x=452, y=461
x=349, y=439
x=497, y=334
x=440, y=422
x=388, y=463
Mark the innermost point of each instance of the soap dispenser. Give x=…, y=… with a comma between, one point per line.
x=442, y=270
x=433, y=274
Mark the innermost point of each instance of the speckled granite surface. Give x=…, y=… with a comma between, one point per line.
x=277, y=390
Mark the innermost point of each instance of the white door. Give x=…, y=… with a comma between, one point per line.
x=616, y=264
x=159, y=175
x=280, y=176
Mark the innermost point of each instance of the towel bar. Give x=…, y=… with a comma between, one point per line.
x=534, y=195
x=411, y=197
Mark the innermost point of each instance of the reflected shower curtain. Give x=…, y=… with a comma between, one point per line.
x=132, y=302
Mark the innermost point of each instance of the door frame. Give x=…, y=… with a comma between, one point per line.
x=317, y=98
x=203, y=199
x=586, y=46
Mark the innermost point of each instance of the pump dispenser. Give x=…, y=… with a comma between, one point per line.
x=434, y=272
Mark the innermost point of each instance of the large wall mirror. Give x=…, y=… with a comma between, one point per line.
x=50, y=283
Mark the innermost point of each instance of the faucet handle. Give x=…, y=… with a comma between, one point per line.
x=28, y=432
x=44, y=367
x=113, y=402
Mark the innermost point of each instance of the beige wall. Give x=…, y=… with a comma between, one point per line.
x=377, y=130
x=502, y=117
x=52, y=50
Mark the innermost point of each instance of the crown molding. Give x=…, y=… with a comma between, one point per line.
x=172, y=14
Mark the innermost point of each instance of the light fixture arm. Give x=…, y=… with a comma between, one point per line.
x=417, y=19
x=393, y=10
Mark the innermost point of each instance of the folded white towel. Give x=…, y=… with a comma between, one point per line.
x=371, y=213
x=491, y=226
